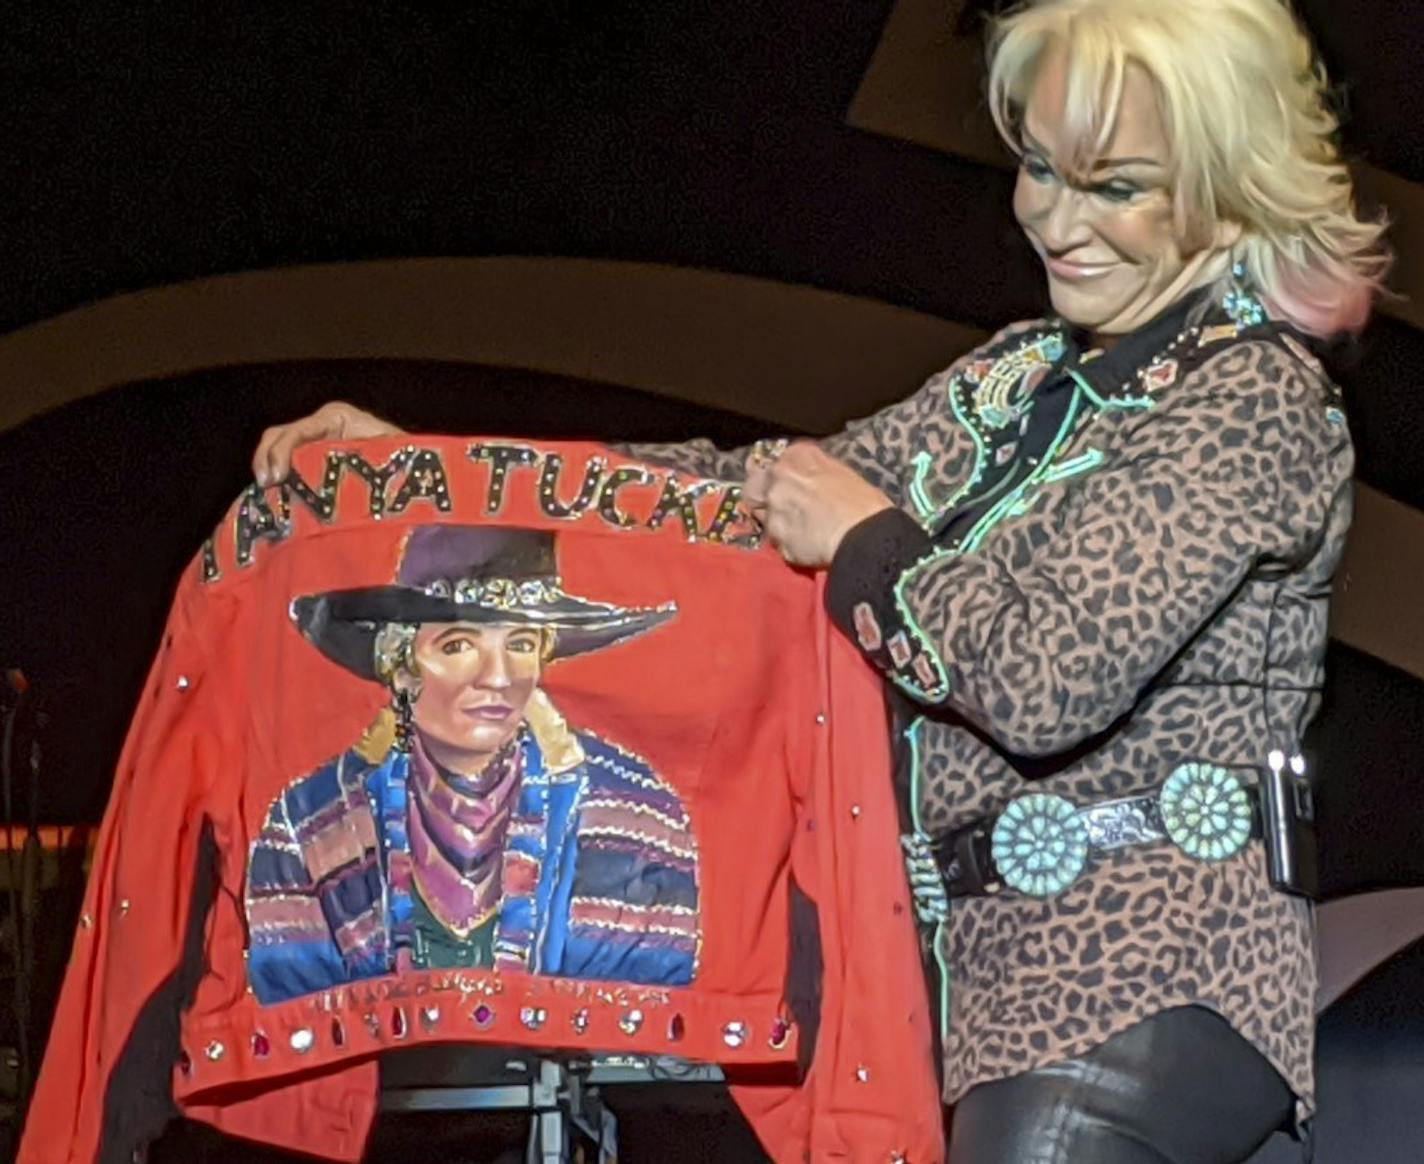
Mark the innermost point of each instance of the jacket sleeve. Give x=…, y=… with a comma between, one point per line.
x=879, y=447
x=870, y=1090
x=1046, y=637
x=125, y=974
x=283, y=895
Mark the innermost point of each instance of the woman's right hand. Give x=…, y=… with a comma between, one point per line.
x=337, y=421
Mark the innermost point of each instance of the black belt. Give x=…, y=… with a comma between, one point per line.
x=1041, y=843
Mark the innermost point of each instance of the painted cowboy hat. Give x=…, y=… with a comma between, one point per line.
x=472, y=574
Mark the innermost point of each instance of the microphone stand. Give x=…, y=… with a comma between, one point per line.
x=15, y=869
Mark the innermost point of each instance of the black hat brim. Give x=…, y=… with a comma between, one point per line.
x=343, y=624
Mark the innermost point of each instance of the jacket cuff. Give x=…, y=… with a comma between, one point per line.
x=861, y=598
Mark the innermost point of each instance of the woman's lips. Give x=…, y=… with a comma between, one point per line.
x=488, y=711
x=1071, y=272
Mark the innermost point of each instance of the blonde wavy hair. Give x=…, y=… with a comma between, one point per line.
x=1244, y=99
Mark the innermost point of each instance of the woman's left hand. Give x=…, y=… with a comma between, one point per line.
x=808, y=501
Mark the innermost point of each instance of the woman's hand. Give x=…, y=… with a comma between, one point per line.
x=808, y=501
x=336, y=421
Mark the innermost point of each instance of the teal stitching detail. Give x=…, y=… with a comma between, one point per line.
x=1084, y=462
x=930, y=512
x=1110, y=403
x=929, y=515
x=980, y=461
x=981, y=453
x=1008, y=505
x=918, y=496
x=1013, y=504
x=908, y=686
x=982, y=527
x=912, y=738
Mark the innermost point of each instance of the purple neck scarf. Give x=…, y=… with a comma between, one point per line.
x=458, y=825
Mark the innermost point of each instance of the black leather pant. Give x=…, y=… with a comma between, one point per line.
x=1181, y=1087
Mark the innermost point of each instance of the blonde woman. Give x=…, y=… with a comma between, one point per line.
x=1093, y=559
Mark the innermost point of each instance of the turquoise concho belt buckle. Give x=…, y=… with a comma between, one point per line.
x=1039, y=844
x=1206, y=811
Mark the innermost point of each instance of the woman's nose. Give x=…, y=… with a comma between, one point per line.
x=1063, y=225
x=494, y=669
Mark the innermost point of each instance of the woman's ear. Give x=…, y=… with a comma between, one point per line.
x=546, y=650
x=1227, y=234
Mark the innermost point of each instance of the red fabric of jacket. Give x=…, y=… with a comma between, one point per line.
x=681, y=734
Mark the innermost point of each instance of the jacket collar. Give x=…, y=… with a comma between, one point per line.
x=1113, y=374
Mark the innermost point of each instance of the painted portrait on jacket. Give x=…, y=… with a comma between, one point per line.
x=472, y=826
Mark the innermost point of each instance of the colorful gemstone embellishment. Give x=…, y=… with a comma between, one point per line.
x=630, y=1022
x=1159, y=374
x=1244, y=308
x=1207, y=811
x=780, y=1034
x=1007, y=384
x=925, y=672
x=533, y=1017
x=1039, y=844
x=867, y=627
x=261, y=1045
x=303, y=1039
x=482, y=1016
x=734, y=1034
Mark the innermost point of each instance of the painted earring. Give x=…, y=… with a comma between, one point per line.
x=404, y=714
x=1240, y=303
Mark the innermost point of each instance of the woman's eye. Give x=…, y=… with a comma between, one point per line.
x=456, y=646
x=1117, y=190
x=524, y=646
x=1037, y=169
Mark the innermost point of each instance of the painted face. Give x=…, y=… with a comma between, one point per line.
x=1108, y=238
x=475, y=682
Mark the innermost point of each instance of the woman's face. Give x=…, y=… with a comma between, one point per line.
x=476, y=679
x=1108, y=239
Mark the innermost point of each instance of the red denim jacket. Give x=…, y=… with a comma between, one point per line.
x=684, y=744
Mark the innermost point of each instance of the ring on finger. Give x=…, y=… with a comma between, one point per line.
x=768, y=451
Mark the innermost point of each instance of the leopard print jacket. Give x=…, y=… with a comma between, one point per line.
x=1151, y=592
